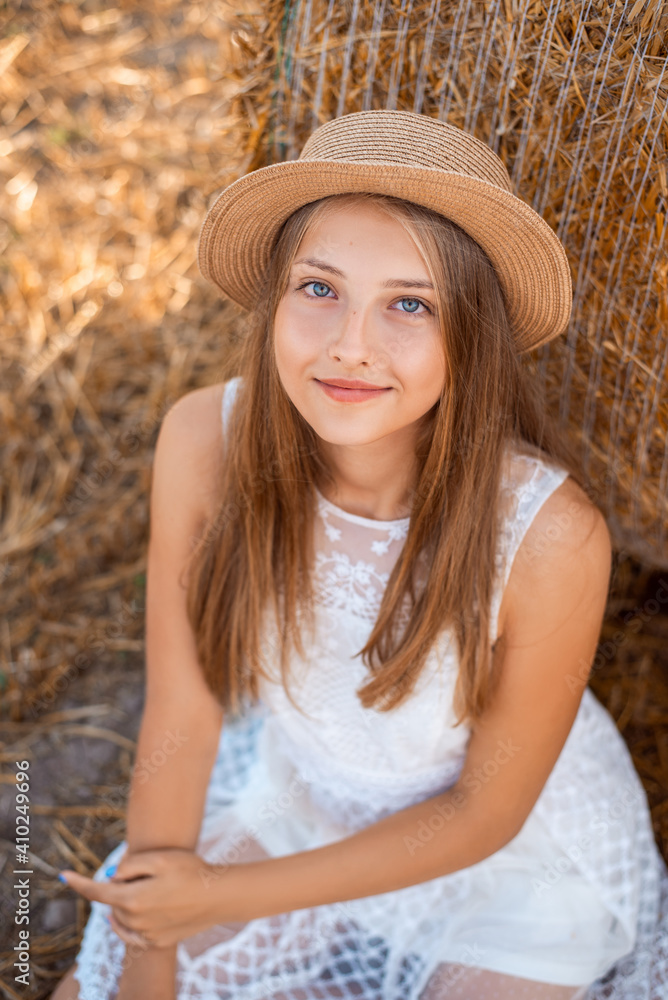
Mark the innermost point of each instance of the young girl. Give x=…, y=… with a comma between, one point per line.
x=373, y=562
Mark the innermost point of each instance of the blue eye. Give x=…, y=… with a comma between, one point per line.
x=411, y=305
x=320, y=289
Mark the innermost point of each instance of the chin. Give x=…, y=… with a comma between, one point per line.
x=340, y=436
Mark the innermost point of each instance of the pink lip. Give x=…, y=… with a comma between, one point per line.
x=357, y=393
x=350, y=383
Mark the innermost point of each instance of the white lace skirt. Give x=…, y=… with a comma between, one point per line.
x=535, y=909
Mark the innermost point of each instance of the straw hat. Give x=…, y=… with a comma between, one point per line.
x=409, y=156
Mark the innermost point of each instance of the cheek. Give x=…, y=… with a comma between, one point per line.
x=283, y=334
x=419, y=353
x=434, y=354
x=292, y=330
x=296, y=348
x=397, y=349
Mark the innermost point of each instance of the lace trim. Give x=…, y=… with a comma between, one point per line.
x=398, y=528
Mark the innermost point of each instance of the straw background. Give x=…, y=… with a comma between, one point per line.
x=117, y=127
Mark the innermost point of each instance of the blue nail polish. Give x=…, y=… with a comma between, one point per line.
x=62, y=877
x=110, y=870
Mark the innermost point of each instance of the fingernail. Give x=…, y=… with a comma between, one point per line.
x=62, y=877
x=111, y=870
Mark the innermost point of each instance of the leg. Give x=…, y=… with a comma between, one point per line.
x=460, y=982
x=67, y=988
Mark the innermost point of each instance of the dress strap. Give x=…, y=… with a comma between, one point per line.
x=229, y=393
x=527, y=486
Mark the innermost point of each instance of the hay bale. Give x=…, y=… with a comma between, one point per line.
x=573, y=98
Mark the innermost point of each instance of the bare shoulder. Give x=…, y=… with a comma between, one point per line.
x=584, y=528
x=199, y=411
x=566, y=524
x=189, y=450
x=567, y=543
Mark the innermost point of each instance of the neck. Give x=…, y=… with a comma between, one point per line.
x=372, y=480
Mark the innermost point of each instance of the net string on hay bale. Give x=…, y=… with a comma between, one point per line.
x=573, y=97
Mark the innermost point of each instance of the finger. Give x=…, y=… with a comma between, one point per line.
x=102, y=892
x=137, y=864
x=126, y=934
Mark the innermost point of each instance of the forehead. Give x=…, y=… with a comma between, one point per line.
x=359, y=229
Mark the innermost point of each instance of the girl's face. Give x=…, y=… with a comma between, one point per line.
x=360, y=305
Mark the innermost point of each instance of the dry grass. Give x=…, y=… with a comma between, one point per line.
x=111, y=150
x=115, y=131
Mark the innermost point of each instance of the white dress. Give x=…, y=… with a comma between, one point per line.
x=579, y=896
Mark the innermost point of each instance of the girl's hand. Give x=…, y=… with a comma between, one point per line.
x=157, y=897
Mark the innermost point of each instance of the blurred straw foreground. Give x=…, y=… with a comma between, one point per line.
x=117, y=126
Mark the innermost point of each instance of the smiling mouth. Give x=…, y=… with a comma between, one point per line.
x=351, y=384
x=352, y=394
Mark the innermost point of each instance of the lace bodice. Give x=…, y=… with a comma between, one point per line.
x=365, y=760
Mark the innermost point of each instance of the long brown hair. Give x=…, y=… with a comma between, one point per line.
x=257, y=553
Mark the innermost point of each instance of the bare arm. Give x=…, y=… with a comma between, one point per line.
x=181, y=723
x=555, y=607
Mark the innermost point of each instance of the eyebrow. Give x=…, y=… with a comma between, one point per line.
x=390, y=283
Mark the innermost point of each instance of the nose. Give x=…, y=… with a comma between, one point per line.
x=354, y=343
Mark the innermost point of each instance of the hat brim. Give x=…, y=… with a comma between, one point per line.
x=240, y=229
